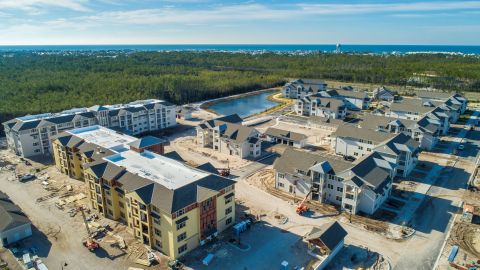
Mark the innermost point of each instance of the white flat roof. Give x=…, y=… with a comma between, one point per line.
x=167, y=172
x=104, y=137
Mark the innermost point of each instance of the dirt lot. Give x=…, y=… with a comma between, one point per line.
x=57, y=236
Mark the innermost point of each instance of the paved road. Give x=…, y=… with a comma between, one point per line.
x=432, y=219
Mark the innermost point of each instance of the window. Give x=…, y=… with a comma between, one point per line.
x=349, y=196
x=182, y=249
x=355, y=153
x=181, y=225
x=228, y=210
x=158, y=232
x=228, y=200
x=339, y=189
x=360, y=148
x=180, y=212
x=158, y=243
x=182, y=237
x=228, y=221
x=281, y=185
x=156, y=221
x=338, y=198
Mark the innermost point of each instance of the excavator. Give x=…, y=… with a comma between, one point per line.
x=89, y=242
x=302, y=208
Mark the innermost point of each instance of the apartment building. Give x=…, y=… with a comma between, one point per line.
x=445, y=97
x=168, y=205
x=303, y=87
x=411, y=108
x=384, y=94
x=401, y=150
x=351, y=140
x=426, y=131
x=228, y=136
x=353, y=100
x=31, y=135
x=360, y=187
x=320, y=106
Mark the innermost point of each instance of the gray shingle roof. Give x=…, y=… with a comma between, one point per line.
x=351, y=131
x=372, y=170
x=285, y=134
x=331, y=234
x=372, y=121
x=292, y=160
x=401, y=142
x=347, y=93
x=11, y=216
x=413, y=105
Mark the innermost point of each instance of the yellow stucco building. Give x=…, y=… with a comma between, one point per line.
x=168, y=205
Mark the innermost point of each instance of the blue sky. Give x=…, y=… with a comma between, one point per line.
x=245, y=22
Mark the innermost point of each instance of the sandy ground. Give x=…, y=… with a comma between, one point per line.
x=57, y=236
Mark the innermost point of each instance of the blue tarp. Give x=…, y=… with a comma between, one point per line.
x=453, y=254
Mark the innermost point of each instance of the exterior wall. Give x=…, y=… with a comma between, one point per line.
x=404, y=115
x=212, y=139
x=279, y=140
x=350, y=147
x=324, y=264
x=224, y=219
x=16, y=234
x=370, y=202
x=36, y=141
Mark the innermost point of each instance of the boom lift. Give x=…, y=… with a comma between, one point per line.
x=302, y=208
x=89, y=242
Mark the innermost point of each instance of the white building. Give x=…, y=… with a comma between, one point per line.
x=303, y=87
x=289, y=138
x=353, y=100
x=384, y=94
x=350, y=140
x=363, y=186
x=320, y=106
x=411, y=108
x=31, y=135
x=14, y=224
x=401, y=150
x=227, y=135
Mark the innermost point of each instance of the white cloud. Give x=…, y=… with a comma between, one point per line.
x=35, y=6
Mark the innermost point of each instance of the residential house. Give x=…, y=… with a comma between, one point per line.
x=289, y=138
x=320, y=106
x=227, y=135
x=449, y=98
x=350, y=140
x=167, y=205
x=353, y=100
x=14, y=224
x=31, y=135
x=301, y=88
x=325, y=242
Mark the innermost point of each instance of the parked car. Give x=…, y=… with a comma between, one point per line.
x=349, y=158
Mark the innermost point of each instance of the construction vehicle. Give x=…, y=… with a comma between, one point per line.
x=225, y=171
x=302, y=208
x=89, y=242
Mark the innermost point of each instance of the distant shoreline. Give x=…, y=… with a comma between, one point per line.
x=251, y=48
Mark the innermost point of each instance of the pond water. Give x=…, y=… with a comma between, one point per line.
x=244, y=106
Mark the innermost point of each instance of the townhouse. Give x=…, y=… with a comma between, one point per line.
x=351, y=140
x=445, y=97
x=301, y=88
x=281, y=136
x=167, y=205
x=321, y=106
x=228, y=136
x=360, y=187
x=31, y=135
x=353, y=100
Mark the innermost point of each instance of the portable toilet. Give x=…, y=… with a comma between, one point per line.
x=284, y=265
x=27, y=260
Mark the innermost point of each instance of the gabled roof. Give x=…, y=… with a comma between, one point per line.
x=232, y=118
x=208, y=167
x=346, y=93
x=414, y=105
x=351, y=131
x=174, y=155
x=292, y=160
x=330, y=234
x=400, y=143
x=11, y=216
x=275, y=132
x=372, y=170
x=146, y=141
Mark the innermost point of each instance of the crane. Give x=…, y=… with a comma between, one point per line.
x=302, y=207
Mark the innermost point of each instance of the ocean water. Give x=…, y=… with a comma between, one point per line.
x=244, y=106
x=376, y=49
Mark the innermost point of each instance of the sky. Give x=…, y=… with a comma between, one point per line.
x=59, y=22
